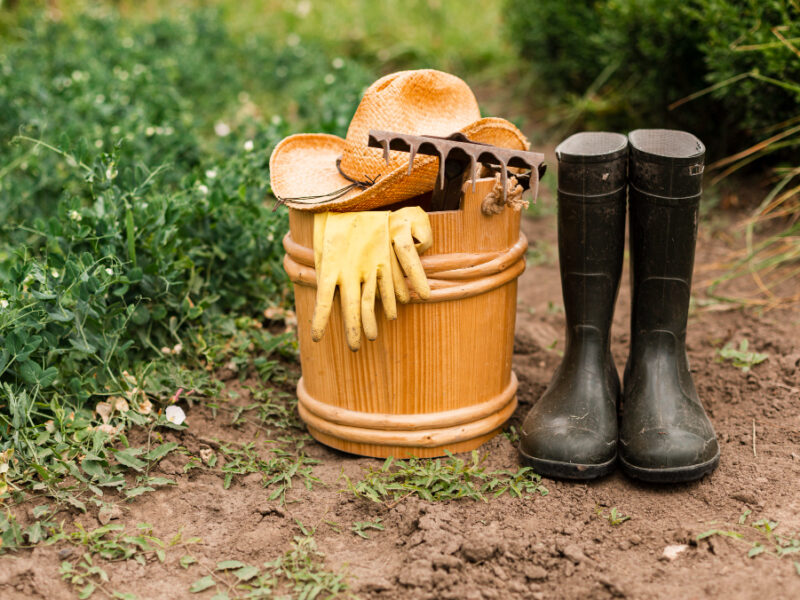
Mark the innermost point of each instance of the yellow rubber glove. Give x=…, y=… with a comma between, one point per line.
x=406, y=225
x=351, y=249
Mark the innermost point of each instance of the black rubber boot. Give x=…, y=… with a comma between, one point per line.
x=571, y=432
x=665, y=435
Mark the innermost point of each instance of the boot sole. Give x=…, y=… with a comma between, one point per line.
x=670, y=475
x=563, y=470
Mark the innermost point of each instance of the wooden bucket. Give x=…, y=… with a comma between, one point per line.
x=439, y=377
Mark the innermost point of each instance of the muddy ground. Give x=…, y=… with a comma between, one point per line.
x=555, y=546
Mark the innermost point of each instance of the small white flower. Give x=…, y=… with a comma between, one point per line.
x=221, y=129
x=175, y=415
x=75, y=215
x=203, y=189
x=329, y=78
x=3, y=303
x=248, y=145
x=150, y=131
x=177, y=348
x=303, y=8
x=99, y=99
x=109, y=271
x=127, y=42
x=166, y=350
x=55, y=274
x=292, y=39
x=276, y=119
x=211, y=173
x=337, y=63
x=111, y=172
x=98, y=143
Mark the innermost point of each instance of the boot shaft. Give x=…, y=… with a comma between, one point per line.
x=665, y=184
x=592, y=179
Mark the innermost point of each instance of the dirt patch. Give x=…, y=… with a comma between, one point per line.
x=560, y=545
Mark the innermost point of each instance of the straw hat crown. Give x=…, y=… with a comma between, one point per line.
x=423, y=102
x=310, y=171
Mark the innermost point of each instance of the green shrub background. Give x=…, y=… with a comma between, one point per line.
x=624, y=62
x=133, y=193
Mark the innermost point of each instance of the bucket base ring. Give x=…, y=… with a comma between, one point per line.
x=382, y=435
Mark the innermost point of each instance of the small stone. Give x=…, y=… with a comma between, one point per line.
x=636, y=539
x=574, y=553
x=672, y=551
x=64, y=553
x=374, y=584
x=612, y=586
x=478, y=550
x=107, y=513
x=535, y=573
x=746, y=497
x=443, y=561
x=499, y=572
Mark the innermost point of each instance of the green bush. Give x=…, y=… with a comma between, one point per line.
x=559, y=41
x=133, y=193
x=744, y=37
x=622, y=63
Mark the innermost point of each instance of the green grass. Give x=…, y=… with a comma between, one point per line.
x=278, y=471
x=440, y=480
x=299, y=572
x=614, y=516
x=111, y=543
x=761, y=537
x=741, y=357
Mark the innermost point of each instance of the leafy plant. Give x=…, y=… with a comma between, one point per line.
x=299, y=571
x=741, y=357
x=439, y=480
x=278, y=471
x=762, y=538
x=614, y=516
x=111, y=543
x=360, y=527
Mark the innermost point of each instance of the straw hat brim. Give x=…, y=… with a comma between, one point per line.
x=304, y=165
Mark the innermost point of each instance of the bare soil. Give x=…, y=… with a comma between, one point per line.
x=553, y=546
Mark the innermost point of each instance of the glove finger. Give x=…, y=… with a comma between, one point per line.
x=350, y=293
x=326, y=288
x=399, y=280
x=409, y=260
x=368, y=320
x=421, y=230
x=385, y=280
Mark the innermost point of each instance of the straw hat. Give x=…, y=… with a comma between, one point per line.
x=316, y=172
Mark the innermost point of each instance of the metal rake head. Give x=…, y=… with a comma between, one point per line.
x=459, y=158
